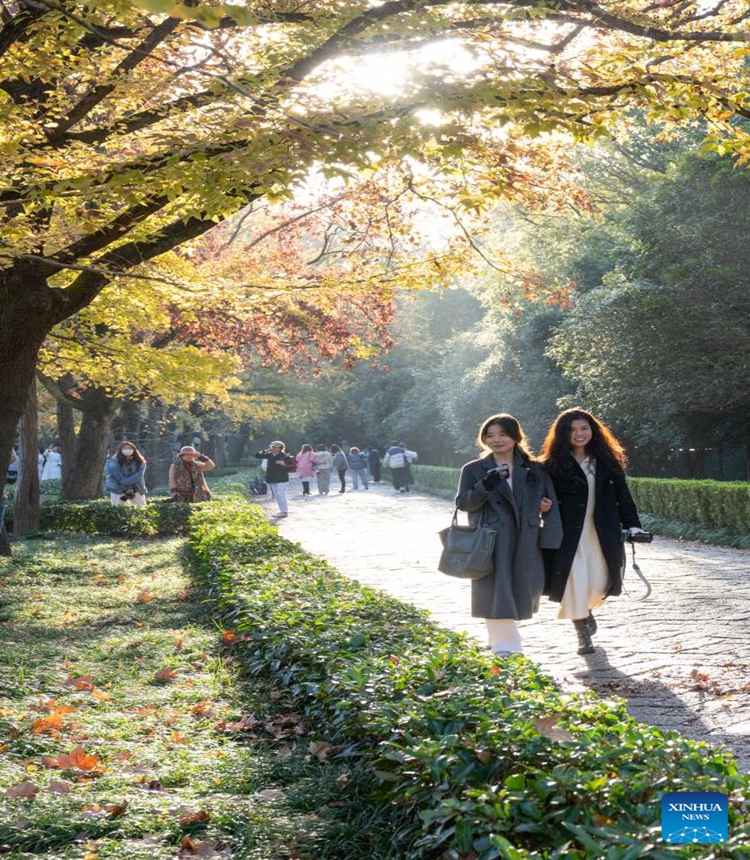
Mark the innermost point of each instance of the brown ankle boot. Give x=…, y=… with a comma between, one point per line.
x=585, y=645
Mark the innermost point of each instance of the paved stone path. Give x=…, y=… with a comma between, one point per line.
x=681, y=659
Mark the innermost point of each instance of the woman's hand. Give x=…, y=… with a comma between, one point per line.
x=545, y=505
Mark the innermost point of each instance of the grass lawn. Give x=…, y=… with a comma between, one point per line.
x=125, y=728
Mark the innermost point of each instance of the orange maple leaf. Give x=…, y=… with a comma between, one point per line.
x=77, y=758
x=52, y=724
x=82, y=683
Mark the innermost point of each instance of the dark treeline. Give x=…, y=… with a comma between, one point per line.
x=655, y=337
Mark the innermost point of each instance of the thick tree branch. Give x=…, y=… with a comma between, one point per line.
x=99, y=93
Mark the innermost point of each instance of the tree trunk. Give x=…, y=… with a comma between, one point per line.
x=216, y=441
x=86, y=475
x=26, y=501
x=28, y=311
x=66, y=431
x=4, y=541
x=236, y=444
x=157, y=448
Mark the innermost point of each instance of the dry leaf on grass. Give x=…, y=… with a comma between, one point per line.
x=26, y=790
x=323, y=750
x=78, y=758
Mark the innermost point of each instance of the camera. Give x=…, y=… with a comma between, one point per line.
x=127, y=496
x=638, y=537
x=502, y=472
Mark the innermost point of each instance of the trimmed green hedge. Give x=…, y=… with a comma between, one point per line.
x=717, y=511
x=708, y=504
x=101, y=518
x=481, y=759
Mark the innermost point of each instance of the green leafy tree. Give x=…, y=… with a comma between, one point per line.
x=663, y=346
x=132, y=128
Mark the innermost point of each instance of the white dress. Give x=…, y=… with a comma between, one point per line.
x=52, y=468
x=588, y=579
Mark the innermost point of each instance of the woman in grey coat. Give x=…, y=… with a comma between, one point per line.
x=513, y=494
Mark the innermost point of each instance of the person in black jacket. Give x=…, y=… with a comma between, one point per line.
x=587, y=467
x=278, y=466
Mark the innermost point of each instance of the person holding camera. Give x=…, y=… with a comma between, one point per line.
x=587, y=467
x=125, y=471
x=508, y=491
x=278, y=466
x=186, y=481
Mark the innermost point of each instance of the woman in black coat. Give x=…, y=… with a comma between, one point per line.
x=510, y=492
x=587, y=466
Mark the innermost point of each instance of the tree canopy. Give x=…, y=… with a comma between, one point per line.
x=130, y=128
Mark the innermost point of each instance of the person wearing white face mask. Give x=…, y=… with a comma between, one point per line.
x=125, y=471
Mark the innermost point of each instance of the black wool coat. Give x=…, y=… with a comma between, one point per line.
x=614, y=510
x=514, y=588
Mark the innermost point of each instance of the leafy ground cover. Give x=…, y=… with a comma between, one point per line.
x=126, y=731
x=483, y=759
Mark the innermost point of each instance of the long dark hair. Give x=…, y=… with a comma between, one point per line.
x=513, y=428
x=122, y=459
x=603, y=445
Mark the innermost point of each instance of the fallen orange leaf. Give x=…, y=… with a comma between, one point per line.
x=123, y=756
x=195, y=817
x=77, y=758
x=165, y=674
x=52, y=724
x=82, y=683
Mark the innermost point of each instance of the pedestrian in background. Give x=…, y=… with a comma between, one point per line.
x=358, y=465
x=305, y=460
x=186, y=481
x=126, y=469
x=340, y=464
x=52, y=470
x=507, y=490
x=373, y=460
x=278, y=466
x=323, y=468
x=397, y=459
x=587, y=465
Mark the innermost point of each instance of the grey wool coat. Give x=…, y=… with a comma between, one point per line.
x=514, y=589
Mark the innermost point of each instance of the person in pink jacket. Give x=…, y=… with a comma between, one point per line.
x=305, y=461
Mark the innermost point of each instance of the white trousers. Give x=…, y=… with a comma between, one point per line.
x=278, y=491
x=503, y=635
x=139, y=500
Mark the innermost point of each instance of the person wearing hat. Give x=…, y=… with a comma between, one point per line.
x=186, y=481
x=278, y=466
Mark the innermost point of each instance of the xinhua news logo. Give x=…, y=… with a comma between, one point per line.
x=694, y=816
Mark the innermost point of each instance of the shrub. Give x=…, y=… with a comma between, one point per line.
x=707, y=504
x=715, y=511
x=101, y=518
x=486, y=759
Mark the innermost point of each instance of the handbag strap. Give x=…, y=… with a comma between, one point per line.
x=480, y=521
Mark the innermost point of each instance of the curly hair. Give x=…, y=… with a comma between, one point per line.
x=602, y=446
